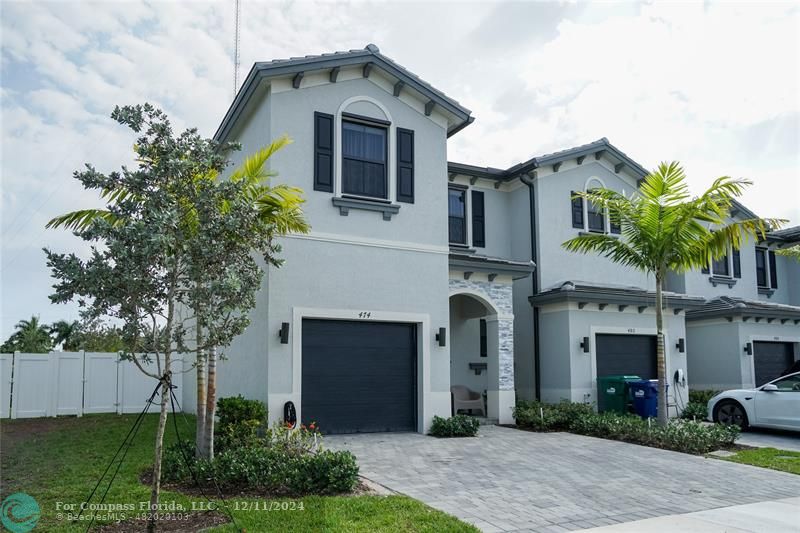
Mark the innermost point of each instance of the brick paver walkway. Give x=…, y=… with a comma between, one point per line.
x=512, y=480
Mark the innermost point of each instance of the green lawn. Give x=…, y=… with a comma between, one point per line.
x=782, y=460
x=60, y=460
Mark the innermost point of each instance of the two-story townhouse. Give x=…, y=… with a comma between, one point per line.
x=354, y=330
x=410, y=283
x=748, y=331
x=578, y=316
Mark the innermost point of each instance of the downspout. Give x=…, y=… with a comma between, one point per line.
x=527, y=179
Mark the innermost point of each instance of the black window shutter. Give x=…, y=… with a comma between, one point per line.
x=405, y=166
x=773, y=271
x=478, y=220
x=323, y=152
x=737, y=264
x=577, y=211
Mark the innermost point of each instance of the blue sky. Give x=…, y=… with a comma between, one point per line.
x=712, y=85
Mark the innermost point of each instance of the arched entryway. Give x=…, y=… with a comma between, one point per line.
x=482, y=349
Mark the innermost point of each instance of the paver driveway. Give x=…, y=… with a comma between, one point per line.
x=512, y=480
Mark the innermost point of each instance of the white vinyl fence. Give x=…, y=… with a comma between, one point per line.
x=74, y=383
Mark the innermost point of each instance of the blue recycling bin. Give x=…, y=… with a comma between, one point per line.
x=644, y=396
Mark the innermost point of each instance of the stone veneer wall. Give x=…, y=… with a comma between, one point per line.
x=501, y=296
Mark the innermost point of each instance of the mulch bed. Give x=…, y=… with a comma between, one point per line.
x=188, y=522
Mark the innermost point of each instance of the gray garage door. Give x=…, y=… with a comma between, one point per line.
x=626, y=354
x=770, y=359
x=359, y=376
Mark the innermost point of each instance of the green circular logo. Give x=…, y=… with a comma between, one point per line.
x=20, y=513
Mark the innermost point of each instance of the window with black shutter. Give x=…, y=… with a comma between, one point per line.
x=614, y=226
x=478, y=220
x=323, y=152
x=720, y=266
x=577, y=210
x=761, y=267
x=737, y=264
x=405, y=165
x=595, y=218
x=364, y=171
x=773, y=271
x=457, y=215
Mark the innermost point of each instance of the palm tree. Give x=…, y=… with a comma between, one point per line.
x=67, y=334
x=665, y=229
x=31, y=336
x=792, y=251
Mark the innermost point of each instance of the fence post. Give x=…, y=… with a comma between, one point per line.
x=14, y=391
x=53, y=364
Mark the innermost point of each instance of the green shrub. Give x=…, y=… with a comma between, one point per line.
x=701, y=396
x=268, y=469
x=240, y=422
x=549, y=417
x=455, y=426
x=679, y=435
x=695, y=411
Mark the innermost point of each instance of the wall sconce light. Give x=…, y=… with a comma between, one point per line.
x=748, y=348
x=442, y=336
x=681, y=346
x=284, y=333
x=585, y=344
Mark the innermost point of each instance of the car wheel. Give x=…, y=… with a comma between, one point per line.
x=729, y=413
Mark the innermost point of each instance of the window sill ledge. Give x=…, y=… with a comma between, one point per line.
x=766, y=291
x=720, y=280
x=346, y=204
x=615, y=235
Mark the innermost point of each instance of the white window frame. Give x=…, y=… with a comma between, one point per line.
x=391, y=155
x=467, y=216
x=767, y=269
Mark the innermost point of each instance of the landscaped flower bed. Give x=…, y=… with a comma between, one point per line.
x=278, y=460
x=679, y=435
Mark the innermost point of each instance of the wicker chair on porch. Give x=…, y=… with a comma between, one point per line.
x=465, y=398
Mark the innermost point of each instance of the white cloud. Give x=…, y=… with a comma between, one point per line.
x=713, y=85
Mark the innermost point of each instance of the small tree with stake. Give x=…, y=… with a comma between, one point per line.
x=664, y=229
x=173, y=235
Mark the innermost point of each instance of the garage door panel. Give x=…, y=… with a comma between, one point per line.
x=359, y=376
x=626, y=354
x=770, y=359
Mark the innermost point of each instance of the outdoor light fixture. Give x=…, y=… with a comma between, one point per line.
x=681, y=346
x=748, y=348
x=442, y=336
x=585, y=344
x=284, y=333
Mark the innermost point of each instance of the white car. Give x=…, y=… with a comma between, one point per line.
x=774, y=405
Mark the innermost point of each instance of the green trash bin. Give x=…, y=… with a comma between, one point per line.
x=612, y=393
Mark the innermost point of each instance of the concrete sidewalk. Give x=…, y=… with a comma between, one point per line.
x=779, y=516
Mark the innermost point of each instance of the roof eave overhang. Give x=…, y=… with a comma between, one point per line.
x=517, y=270
x=615, y=298
x=746, y=313
x=262, y=71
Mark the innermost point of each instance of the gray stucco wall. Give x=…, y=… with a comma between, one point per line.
x=565, y=362
x=715, y=358
x=554, y=216
x=788, y=291
x=716, y=350
x=423, y=222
